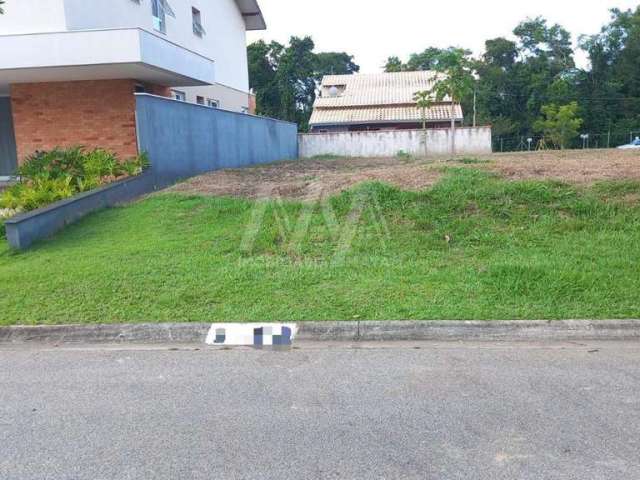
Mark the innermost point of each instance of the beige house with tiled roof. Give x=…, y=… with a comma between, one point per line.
x=382, y=101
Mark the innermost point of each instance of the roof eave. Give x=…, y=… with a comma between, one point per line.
x=252, y=14
x=380, y=122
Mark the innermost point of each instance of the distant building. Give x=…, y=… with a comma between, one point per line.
x=383, y=101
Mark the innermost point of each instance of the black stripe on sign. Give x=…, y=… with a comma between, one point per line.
x=258, y=336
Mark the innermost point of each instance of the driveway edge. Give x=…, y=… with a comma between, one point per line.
x=196, y=333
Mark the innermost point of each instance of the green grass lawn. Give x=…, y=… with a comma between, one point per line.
x=472, y=247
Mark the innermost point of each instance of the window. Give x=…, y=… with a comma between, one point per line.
x=245, y=110
x=178, y=95
x=213, y=103
x=160, y=9
x=198, y=29
x=200, y=100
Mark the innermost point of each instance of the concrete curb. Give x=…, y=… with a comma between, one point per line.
x=502, y=330
x=196, y=333
x=141, y=333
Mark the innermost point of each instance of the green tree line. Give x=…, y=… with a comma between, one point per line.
x=531, y=85
x=285, y=78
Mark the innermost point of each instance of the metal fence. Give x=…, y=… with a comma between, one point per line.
x=585, y=140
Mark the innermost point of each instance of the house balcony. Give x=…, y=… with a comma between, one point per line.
x=130, y=53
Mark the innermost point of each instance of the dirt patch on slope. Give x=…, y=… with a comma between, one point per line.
x=576, y=166
x=311, y=179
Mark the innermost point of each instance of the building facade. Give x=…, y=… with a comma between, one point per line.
x=69, y=68
x=372, y=102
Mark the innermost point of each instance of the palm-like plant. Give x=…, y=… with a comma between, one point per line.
x=456, y=84
x=424, y=101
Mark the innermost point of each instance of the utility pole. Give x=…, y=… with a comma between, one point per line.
x=475, y=99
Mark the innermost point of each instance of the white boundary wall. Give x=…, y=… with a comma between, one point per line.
x=387, y=143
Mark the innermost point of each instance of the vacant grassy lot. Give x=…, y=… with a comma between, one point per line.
x=473, y=246
x=325, y=176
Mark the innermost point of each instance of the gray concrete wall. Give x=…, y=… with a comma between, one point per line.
x=388, y=143
x=184, y=140
x=8, y=158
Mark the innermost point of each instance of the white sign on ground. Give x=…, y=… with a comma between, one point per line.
x=252, y=334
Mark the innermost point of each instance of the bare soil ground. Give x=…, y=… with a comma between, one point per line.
x=313, y=178
x=575, y=166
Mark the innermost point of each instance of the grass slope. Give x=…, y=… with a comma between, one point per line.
x=472, y=247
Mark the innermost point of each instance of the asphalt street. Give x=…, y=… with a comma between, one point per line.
x=322, y=411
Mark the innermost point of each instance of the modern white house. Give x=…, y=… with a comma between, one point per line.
x=69, y=68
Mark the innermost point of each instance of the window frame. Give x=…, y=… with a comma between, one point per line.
x=179, y=95
x=159, y=16
x=196, y=18
x=160, y=10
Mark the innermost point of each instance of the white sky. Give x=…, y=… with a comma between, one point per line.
x=372, y=30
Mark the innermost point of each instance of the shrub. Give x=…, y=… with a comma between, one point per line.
x=46, y=177
x=136, y=165
x=6, y=213
x=54, y=163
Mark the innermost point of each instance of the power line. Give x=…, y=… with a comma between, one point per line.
x=524, y=97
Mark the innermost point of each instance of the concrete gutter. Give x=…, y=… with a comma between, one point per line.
x=195, y=333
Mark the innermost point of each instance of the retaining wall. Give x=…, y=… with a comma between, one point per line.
x=25, y=229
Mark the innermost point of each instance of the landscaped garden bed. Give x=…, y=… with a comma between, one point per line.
x=50, y=176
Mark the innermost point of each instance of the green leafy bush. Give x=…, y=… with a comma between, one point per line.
x=402, y=155
x=26, y=196
x=46, y=177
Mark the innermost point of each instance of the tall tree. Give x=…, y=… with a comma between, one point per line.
x=431, y=58
x=456, y=84
x=334, y=63
x=295, y=80
x=560, y=124
x=394, y=65
x=612, y=85
x=263, y=63
x=424, y=101
x=498, y=87
x=285, y=78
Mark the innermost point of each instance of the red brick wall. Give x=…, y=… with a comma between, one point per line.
x=62, y=114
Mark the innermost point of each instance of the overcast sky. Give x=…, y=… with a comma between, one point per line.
x=372, y=30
